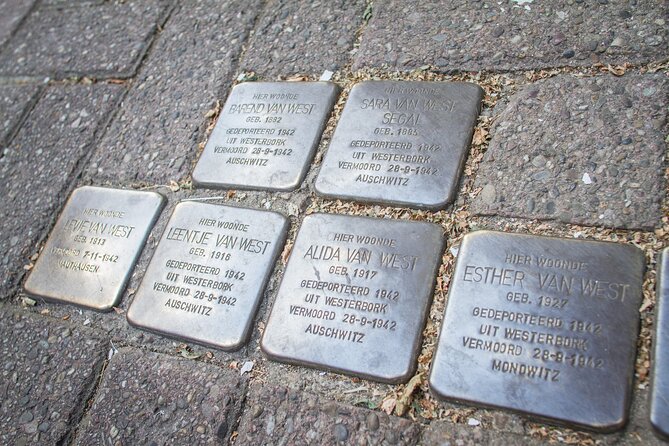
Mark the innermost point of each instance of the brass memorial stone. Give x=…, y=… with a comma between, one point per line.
x=355, y=295
x=207, y=276
x=266, y=135
x=659, y=393
x=401, y=143
x=93, y=247
x=545, y=326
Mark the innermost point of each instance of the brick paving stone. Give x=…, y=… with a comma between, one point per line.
x=277, y=415
x=36, y=170
x=462, y=35
x=15, y=100
x=587, y=151
x=149, y=398
x=11, y=14
x=48, y=372
x=104, y=41
x=155, y=135
x=445, y=433
x=294, y=36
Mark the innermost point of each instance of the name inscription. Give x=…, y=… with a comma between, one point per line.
x=355, y=295
x=557, y=317
x=210, y=265
x=400, y=142
x=265, y=135
x=92, y=249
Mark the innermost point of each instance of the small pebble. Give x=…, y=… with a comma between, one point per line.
x=372, y=421
x=26, y=417
x=340, y=432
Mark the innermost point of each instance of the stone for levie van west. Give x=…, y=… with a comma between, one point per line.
x=278, y=415
x=543, y=326
x=266, y=135
x=36, y=172
x=155, y=134
x=461, y=35
x=586, y=151
x=208, y=274
x=101, y=41
x=295, y=37
x=401, y=143
x=355, y=295
x=659, y=396
x=93, y=247
x=49, y=368
x=149, y=398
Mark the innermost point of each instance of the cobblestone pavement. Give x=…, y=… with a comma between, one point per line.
x=571, y=141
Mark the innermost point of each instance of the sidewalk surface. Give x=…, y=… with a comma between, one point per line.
x=123, y=94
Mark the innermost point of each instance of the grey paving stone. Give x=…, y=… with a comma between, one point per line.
x=149, y=398
x=36, y=170
x=48, y=372
x=445, y=433
x=295, y=36
x=461, y=35
x=69, y=3
x=277, y=415
x=11, y=14
x=155, y=135
x=587, y=151
x=104, y=41
x=15, y=100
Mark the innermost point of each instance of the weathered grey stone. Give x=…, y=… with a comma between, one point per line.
x=459, y=35
x=277, y=415
x=155, y=135
x=587, y=151
x=15, y=101
x=297, y=37
x=149, y=398
x=48, y=372
x=11, y=14
x=104, y=41
x=35, y=172
x=446, y=433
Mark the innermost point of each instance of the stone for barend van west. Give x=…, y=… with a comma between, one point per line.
x=266, y=135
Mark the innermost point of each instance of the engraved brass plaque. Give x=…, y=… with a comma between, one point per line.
x=355, y=296
x=401, y=143
x=659, y=393
x=93, y=247
x=207, y=276
x=266, y=135
x=544, y=326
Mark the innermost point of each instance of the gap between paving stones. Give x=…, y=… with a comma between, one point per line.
x=99, y=133
x=456, y=221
